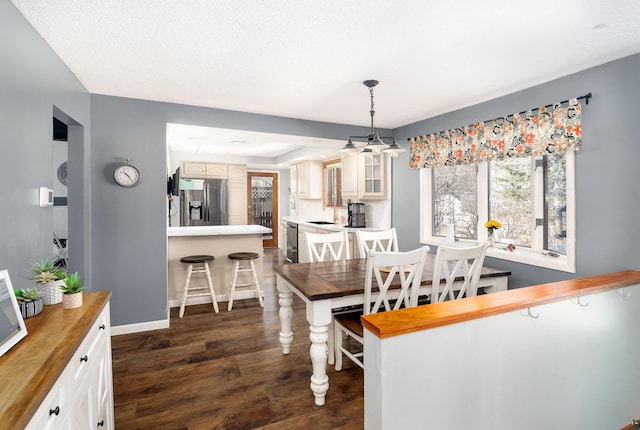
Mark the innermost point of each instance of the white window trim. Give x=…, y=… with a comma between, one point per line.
x=565, y=263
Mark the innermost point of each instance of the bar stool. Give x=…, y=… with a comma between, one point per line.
x=244, y=257
x=197, y=264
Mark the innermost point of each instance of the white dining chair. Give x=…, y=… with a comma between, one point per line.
x=378, y=241
x=457, y=263
x=328, y=246
x=382, y=268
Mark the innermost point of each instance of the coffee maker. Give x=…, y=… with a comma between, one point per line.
x=356, y=215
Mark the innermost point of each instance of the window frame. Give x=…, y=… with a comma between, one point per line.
x=530, y=256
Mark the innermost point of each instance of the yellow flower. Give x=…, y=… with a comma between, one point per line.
x=492, y=224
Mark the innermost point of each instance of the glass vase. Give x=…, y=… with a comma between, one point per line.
x=490, y=237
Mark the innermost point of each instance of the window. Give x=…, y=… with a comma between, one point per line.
x=455, y=200
x=332, y=190
x=532, y=197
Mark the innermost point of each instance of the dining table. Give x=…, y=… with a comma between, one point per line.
x=327, y=287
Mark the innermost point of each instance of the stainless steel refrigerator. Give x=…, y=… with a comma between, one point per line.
x=204, y=202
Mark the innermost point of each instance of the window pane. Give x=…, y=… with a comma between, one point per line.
x=455, y=200
x=510, y=200
x=556, y=203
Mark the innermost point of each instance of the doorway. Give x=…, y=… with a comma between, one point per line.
x=60, y=212
x=262, y=194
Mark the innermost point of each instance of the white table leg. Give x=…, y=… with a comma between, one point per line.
x=318, y=351
x=286, y=313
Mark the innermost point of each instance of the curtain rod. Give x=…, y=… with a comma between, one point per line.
x=586, y=97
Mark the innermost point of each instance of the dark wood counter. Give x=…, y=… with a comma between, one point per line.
x=31, y=368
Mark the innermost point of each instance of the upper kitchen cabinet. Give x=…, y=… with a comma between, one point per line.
x=364, y=176
x=237, y=186
x=306, y=180
x=191, y=169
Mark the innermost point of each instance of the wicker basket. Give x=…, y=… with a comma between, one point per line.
x=72, y=301
x=50, y=292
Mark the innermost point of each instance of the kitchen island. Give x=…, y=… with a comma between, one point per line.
x=218, y=241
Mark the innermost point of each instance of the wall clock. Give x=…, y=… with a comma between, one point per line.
x=127, y=175
x=62, y=173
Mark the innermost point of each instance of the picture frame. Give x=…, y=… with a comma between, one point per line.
x=12, y=327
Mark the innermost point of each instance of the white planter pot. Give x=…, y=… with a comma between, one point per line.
x=50, y=292
x=72, y=301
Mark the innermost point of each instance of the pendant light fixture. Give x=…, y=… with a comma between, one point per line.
x=375, y=143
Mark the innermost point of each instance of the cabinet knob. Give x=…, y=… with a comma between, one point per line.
x=85, y=358
x=102, y=327
x=55, y=411
x=101, y=423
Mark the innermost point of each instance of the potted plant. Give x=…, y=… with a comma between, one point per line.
x=48, y=279
x=29, y=302
x=72, y=291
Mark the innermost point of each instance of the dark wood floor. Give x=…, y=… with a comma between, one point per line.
x=227, y=371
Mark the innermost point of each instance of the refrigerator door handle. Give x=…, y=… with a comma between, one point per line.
x=205, y=190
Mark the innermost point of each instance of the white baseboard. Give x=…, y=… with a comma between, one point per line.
x=139, y=327
x=161, y=324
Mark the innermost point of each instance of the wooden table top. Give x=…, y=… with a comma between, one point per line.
x=331, y=279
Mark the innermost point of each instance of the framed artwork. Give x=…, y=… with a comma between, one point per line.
x=12, y=328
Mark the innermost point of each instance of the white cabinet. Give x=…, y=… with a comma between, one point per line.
x=237, y=188
x=371, y=176
x=303, y=250
x=82, y=397
x=364, y=176
x=283, y=236
x=237, y=203
x=349, y=186
x=236, y=175
x=194, y=169
x=306, y=180
x=293, y=180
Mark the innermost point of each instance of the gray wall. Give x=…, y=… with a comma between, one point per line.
x=129, y=234
x=607, y=173
x=34, y=86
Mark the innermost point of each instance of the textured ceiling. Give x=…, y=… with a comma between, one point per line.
x=307, y=59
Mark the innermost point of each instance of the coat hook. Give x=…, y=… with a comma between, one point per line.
x=623, y=294
x=531, y=314
x=579, y=301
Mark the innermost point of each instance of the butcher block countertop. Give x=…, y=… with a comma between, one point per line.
x=33, y=365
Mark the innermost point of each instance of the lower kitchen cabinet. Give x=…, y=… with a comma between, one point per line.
x=42, y=388
x=83, y=395
x=303, y=250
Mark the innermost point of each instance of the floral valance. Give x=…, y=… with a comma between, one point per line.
x=525, y=134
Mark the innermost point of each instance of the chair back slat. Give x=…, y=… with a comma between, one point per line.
x=378, y=241
x=328, y=246
x=454, y=262
x=383, y=268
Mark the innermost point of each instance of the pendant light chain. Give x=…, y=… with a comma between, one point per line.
x=373, y=112
x=375, y=144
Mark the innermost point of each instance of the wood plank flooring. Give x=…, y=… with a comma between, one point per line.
x=227, y=371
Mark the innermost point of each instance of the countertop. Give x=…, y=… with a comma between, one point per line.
x=217, y=230
x=305, y=220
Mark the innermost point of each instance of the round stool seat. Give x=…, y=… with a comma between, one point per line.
x=195, y=259
x=243, y=256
